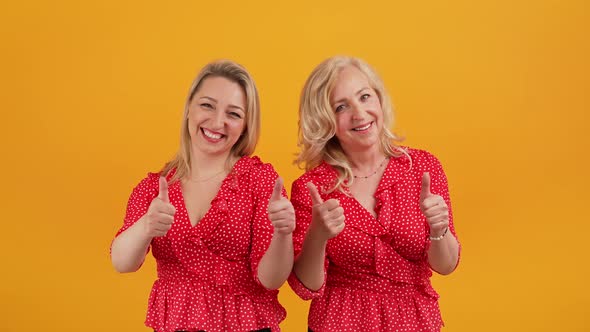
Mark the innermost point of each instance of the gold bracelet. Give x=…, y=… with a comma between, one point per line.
x=438, y=238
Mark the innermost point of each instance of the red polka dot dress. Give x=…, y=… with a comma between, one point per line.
x=207, y=274
x=377, y=272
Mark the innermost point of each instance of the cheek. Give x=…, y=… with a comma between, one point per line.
x=193, y=122
x=375, y=104
x=236, y=126
x=341, y=124
x=378, y=112
x=190, y=122
x=193, y=117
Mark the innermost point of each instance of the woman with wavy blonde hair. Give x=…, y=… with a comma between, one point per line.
x=373, y=218
x=216, y=218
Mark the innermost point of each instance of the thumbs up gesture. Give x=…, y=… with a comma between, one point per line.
x=280, y=211
x=327, y=219
x=160, y=214
x=434, y=208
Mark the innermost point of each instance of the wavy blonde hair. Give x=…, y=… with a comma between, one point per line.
x=317, y=121
x=246, y=143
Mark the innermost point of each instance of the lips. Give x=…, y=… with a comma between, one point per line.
x=211, y=135
x=363, y=127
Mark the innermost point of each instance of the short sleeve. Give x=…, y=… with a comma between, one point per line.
x=140, y=200
x=301, y=201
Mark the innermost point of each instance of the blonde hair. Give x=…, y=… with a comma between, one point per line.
x=246, y=143
x=317, y=120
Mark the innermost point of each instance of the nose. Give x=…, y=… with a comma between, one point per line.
x=218, y=119
x=358, y=111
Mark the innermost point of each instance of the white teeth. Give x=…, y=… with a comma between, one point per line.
x=211, y=135
x=363, y=128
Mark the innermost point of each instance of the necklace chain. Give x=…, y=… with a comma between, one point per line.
x=209, y=178
x=375, y=172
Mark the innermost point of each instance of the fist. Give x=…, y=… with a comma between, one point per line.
x=327, y=219
x=160, y=214
x=434, y=208
x=280, y=211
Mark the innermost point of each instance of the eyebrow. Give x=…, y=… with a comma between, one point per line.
x=230, y=105
x=356, y=94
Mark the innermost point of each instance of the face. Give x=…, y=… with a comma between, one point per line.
x=217, y=116
x=359, y=117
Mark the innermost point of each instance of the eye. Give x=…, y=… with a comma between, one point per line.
x=340, y=108
x=206, y=105
x=235, y=115
x=365, y=96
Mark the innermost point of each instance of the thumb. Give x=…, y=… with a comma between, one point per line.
x=425, y=190
x=277, y=191
x=316, y=199
x=163, y=194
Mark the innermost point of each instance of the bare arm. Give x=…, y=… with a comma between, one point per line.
x=309, y=264
x=276, y=264
x=444, y=254
x=130, y=247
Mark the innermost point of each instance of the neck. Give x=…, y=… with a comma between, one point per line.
x=204, y=165
x=365, y=161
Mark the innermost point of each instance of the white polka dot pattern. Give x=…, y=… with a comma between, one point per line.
x=207, y=274
x=378, y=277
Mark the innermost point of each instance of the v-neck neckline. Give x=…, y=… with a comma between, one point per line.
x=374, y=195
x=395, y=171
x=217, y=196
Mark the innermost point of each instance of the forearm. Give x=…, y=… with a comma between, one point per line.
x=443, y=254
x=276, y=264
x=129, y=248
x=309, y=264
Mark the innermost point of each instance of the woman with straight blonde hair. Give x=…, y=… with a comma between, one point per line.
x=216, y=219
x=373, y=218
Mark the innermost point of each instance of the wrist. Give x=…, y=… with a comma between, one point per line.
x=317, y=235
x=281, y=235
x=439, y=237
x=145, y=231
x=315, y=238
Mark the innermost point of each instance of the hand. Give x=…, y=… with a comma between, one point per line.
x=434, y=208
x=280, y=211
x=327, y=219
x=160, y=214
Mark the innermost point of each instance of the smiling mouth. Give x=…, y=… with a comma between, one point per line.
x=365, y=127
x=211, y=135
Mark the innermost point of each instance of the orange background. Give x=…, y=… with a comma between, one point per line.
x=92, y=95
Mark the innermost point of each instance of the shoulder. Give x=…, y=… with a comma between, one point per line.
x=322, y=175
x=150, y=182
x=147, y=188
x=422, y=160
x=254, y=166
x=251, y=172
